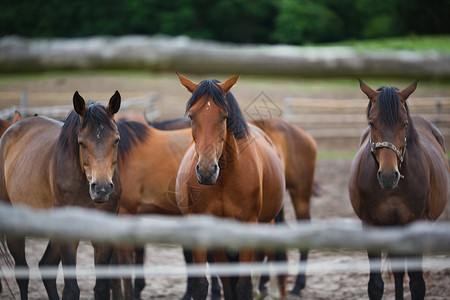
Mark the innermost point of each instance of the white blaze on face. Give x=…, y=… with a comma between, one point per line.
x=209, y=105
x=99, y=129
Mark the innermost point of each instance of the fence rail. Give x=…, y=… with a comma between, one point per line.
x=334, y=118
x=209, y=232
x=146, y=103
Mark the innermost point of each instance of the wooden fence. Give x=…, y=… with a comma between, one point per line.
x=144, y=104
x=346, y=118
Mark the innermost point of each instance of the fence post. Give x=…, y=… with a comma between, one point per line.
x=438, y=112
x=23, y=104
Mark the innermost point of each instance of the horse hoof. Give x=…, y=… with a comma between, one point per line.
x=296, y=292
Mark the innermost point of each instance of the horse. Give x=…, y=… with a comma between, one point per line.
x=146, y=145
x=231, y=170
x=45, y=163
x=4, y=124
x=298, y=153
x=400, y=174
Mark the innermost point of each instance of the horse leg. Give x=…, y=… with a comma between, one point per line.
x=68, y=251
x=244, y=286
x=189, y=259
x=199, y=285
x=122, y=255
x=102, y=257
x=376, y=285
x=139, y=282
x=228, y=282
x=398, y=278
x=264, y=278
x=215, y=286
x=50, y=258
x=301, y=201
x=116, y=283
x=16, y=247
x=416, y=282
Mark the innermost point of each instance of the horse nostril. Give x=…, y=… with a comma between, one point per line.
x=396, y=175
x=93, y=186
x=216, y=167
x=197, y=168
x=111, y=186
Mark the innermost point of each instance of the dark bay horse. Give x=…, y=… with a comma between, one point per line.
x=232, y=171
x=45, y=163
x=400, y=174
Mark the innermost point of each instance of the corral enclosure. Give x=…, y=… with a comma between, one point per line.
x=332, y=110
x=250, y=91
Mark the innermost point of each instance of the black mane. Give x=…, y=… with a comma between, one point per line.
x=96, y=115
x=389, y=105
x=130, y=133
x=235, y=121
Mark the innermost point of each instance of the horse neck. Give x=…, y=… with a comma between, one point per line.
x=233, y=148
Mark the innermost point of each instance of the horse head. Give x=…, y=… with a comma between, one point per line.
x=98, y=140
x=209, y=123
x=389, y=121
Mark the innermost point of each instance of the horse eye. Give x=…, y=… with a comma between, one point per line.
x=116, y=141
x=371, y=125
x=81, y=144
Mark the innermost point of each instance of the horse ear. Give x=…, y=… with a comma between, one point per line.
x=78, y=104
x=17, y=117
x=367, y=90
x=114, y=103
x=228, y=84
x=191, y=86
x=404, y=94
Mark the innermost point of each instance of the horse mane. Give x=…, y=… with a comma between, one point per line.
x=96, y=115
x=389, y=110
x=235, y=121
x=130, y=133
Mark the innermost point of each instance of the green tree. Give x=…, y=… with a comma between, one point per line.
x=307, y=21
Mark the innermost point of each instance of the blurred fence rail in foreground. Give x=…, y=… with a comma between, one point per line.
x=182, y=54
x=204, y=231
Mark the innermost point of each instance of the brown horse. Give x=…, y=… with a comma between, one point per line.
x=298, y=152
x=147, y=192
x=45, y=163
x=400, y=174
x=4, y=124
x=232, y=171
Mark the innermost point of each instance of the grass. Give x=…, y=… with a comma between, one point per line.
x=412, y=42
x=332, y=155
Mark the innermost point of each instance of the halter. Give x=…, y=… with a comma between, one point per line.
x=400, y=155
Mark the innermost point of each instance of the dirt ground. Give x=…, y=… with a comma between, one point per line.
x=332, y=174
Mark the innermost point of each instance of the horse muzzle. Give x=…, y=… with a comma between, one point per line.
x=207, y=176
x=100, y=192
x=388, y=180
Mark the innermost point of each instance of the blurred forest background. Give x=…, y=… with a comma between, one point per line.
x=297, y=22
